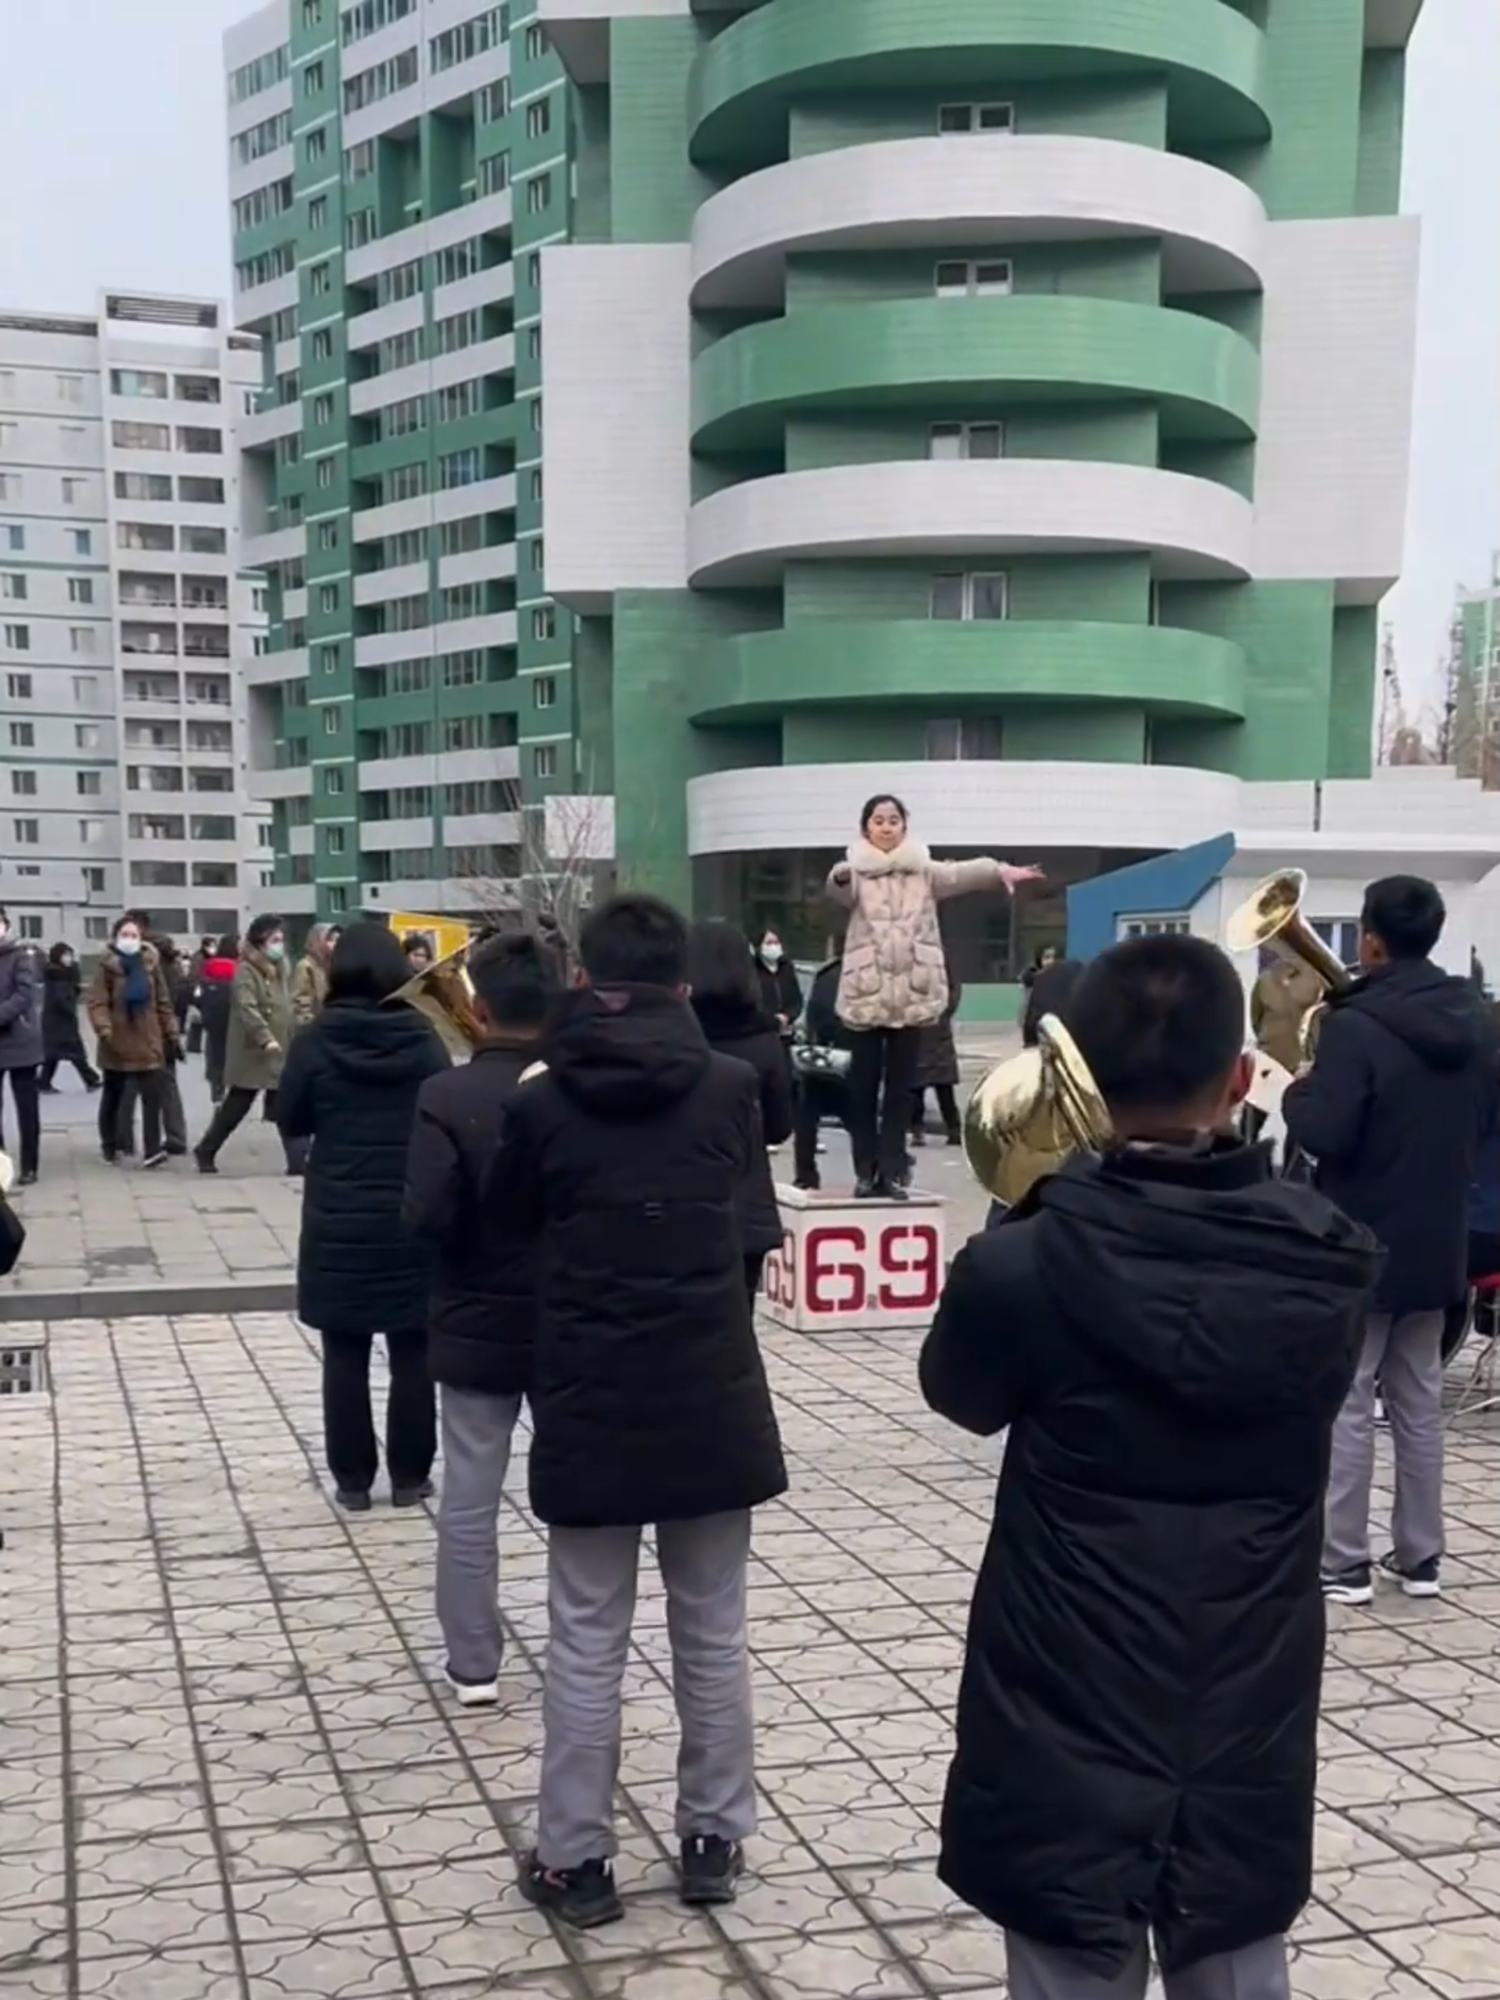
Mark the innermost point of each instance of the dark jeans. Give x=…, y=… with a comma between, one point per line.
x=817, y=1098
x=173, y=1117
x=947, y=1104
x=28, y=1117
x=349, y=1425
x=88, y=1076
x=231, y=1112
x=879, y=1122
x=117, y=1110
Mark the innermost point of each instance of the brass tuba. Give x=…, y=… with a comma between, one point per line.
x=1272, y=915
x=1032, y=1113
x=444, y=995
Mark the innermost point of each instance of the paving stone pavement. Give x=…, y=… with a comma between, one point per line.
x=227, y=1771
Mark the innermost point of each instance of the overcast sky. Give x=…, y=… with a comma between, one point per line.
x=112, y=173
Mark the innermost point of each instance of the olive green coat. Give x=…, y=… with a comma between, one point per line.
x=260, y=1022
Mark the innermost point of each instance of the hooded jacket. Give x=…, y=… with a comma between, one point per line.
x=131, y=1038
x=62, y=990
x=20, y=1005
x=1169, y=1337
x=212, y=997
x=350, y=1084
x=749, y=1035
x=1404, y=1081
x=260, y=1022
x=624, y=1158
x=894, y=974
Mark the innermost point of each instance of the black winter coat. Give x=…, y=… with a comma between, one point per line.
x=1404, y=1079
x=20, y=1006
x=481, y=1309
x=1169, y=1337
x=746, y=1034
x=937, y=1051
x=780, y=991
x=649, y=1397
x=62, y=990
x=350, y=1084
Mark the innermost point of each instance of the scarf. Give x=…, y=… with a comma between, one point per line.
x=137, y=987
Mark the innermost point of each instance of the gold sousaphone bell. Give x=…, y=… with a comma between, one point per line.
x=444, y=996
x=1270, y=918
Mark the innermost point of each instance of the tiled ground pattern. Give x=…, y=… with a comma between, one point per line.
x=226, y=1770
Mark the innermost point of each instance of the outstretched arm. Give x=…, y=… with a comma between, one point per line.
x=964, y=878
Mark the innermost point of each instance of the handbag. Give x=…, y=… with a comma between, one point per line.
x=812, y=1059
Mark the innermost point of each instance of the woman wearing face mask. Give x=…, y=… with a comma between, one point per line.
x=780, y=988
x=260, y=1027
x=62, y=1041
x=130, y=1011
x=894, y=982
x=21, y=1041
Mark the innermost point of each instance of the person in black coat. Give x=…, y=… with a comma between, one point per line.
x=213, y=997
x=481, y=1307
x=1404, y=1080
x=937, y=1071
x=780, y=988
x=1167, y=1332
x=726, y=999
x=350, y=1085
x=821, y=1080
x=648, y=1394
x=62, y=1039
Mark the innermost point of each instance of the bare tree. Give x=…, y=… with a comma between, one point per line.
x=566, y=846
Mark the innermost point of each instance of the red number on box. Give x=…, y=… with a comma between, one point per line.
x=909, y=1252
x=835, y=1284
x=780, y=1276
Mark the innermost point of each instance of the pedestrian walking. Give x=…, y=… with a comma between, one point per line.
x=310, y=980
x=649, y=1401
x=213, y=999
x=260, y=1027
x=937, y=1071
x=134, y=1025
x=1404, y=1082
x=180, y=991
x=1167, y=1332
x=780, y=988
x=350, y=1087
x=894, y=980
x=728, y=999
x=481, y=1306
x=62, y=1037
x=21, y=1044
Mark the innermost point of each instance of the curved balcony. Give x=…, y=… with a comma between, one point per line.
x=951, y=513
x=746, y=80
x=911, y=193
x=958, y=357
x=945, y=668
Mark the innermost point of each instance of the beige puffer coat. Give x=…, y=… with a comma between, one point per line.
x=894, y=975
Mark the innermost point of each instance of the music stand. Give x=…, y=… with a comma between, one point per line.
x=1479, y=1394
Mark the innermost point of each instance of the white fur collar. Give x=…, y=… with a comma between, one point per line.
x=910, y=858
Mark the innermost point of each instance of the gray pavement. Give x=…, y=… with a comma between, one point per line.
x=228, y=1771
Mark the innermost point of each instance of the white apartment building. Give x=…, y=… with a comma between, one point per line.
x=125, y=621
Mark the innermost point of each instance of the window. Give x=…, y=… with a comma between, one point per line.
x=152, y=535
x=80, y=590
x=461, y=538
x=93, y=881
x=201, y=492
x=322, y=344
x=539, y=118
x=397, y=551
x=95, y=928
x=328, y=534
x=360, y=228
x=18, y=686
x=28, y=832
x=494, y=101
x=10, y=485
x=1174, y=925
x=317, y=212
x=544, y=622
x=404, y=482
x=398, y=72
x=330, y=722
x=15, y=537
x=403, y=418
x=533, y=343
x=536, y=486
x=459, y=260
x=324, y=474
x=460, y=399
x=461, y=600
x=87, y=736
x=462, y=669
x=90, y=784
x=404, y=281
x=70, y=388
x=359, y=161
x=328, y=597
x=461, y=468
x=369, y=15
x=16, y=637
x=975, y=596
x=462, y=330
x=536, y=415
x=31, y=926
x=23, y=784
x=141, y=437
x=967, y=738
x=335, y=839
x=279, y=262
x=494, y=173
x=312, y=13
x=83, y=541
x=1341, y=935
x=402, y=350
x=143, y=486
x=468, y=39
x=203, y=541
x=544, y=691
x=315, y=146
x=544, y=760
x=314, y=77
x=537, y=560
x=267, y=137
x=23, y=736
x=536, y=42
x=205, y=443
x=328, y=659
x=333, y=782
x=12, y=585
x=538, y=193
x=984, y=278
x=966, y=441
x=263, y=205
x=320, y=280
x=81, y=638
x=976, y=118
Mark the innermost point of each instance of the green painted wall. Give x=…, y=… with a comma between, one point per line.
x=1118, y=109
x=1351, y=711
x=1111, y=270
x=1286, y=630
x=1114, y=589
x=1077, y=732
x=1382, y=111
x=1126, y=435
x=654, y=188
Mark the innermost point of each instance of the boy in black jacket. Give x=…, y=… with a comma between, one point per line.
x=1168, y=1332
x=481, y=1309
x=648, y=1396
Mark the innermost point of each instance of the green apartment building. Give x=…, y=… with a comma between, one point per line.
x=396, y=167
x=1002, y=401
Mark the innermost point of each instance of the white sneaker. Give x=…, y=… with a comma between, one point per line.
x=473, y=1694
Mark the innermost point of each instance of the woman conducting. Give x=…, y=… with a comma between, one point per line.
x=894, y=982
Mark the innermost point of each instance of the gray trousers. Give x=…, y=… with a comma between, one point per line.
x=476, y=1433
x=1259, y=1972
x=591, y=1600
x=1405, y=1354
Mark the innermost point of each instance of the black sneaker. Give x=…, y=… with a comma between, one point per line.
x=866, y=1188
x=157, y=1159
x=206, y=1162
x=711, y=1869
x=412, y=1496
x=353, y=1503
x=1423, y=1579
x=808, y=1183
x=1349, y=1586
x=583, y=1898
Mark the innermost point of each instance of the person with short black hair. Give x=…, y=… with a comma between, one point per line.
x=349, y=1088
x=1167, y=1331
x=481, y=1308
x=1403, y=1082
x=625, y=1158
x=62, y=1038
x=417, y=946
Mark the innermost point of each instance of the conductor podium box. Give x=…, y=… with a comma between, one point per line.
x=848, y=1266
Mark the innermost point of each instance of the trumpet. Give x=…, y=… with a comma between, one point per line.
x=444, y=996
x=1271, y=915
x=1032, y=1113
